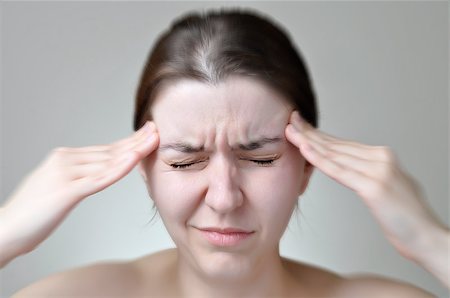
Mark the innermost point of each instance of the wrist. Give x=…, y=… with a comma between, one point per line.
x=433, y=252
x=9, y=240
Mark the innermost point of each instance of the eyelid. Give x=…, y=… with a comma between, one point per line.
x=262, y=160
x=185, y=164
x=260, y=157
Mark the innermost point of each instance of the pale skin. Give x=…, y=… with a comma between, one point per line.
x=392, y=196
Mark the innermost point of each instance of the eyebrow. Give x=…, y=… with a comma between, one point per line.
x=188, y=148
x=182, y=147
x=259, y=143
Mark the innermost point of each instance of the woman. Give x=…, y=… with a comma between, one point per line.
x=227, y=145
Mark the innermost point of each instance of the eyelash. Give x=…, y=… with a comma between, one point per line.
x=263, y=163
x=181, y=166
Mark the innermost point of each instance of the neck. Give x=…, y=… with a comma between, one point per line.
x=267, y=278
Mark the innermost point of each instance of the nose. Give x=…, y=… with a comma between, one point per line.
x=224, y=193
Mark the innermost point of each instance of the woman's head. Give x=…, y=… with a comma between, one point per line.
x=223, y=160
x=211, y=47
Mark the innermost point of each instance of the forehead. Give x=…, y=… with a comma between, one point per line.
x=232, y=97
x=244, y=105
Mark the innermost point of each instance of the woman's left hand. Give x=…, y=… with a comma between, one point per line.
x=373, y=172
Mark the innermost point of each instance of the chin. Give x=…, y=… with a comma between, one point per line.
x=222, y=265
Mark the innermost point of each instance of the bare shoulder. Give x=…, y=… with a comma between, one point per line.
x=134, y=278
x=109, y=279
x=323, y=282
x=372, y=285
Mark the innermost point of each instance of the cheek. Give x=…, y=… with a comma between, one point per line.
x=175, y=194
x=274, y=191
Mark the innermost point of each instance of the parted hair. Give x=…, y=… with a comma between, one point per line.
x=212, y=45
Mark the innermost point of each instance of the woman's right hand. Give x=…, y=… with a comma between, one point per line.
x=60, y=182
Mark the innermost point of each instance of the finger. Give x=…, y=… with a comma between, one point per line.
x=348, y=177
x=147, y=146
x=368, y=167
x=298, y=138
x=146, y=129
x=358, y=150
x=98, y=167
x=327, y=142
x=88, y=185
x=362, y=151
x=149, y=127
x=87, y=155
x=305, y=128
x=132, y=144
x=293, y=136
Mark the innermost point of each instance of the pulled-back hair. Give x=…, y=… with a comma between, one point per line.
x=211, y=46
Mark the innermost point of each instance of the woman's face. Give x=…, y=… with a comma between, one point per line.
x=224, y=178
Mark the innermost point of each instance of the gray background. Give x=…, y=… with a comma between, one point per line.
x=69, y=74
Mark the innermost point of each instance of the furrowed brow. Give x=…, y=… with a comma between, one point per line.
x=259, y=143
x=182, y=147
x=188, y=148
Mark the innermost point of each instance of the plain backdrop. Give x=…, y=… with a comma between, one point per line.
x=69, y=75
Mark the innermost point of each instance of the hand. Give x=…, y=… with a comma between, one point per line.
x=393, y=197
x=66, y=177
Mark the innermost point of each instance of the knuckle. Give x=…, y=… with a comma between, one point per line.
x=59, y=150
x=386, y=154
x=382, y=180
x=385, y=173
x=58, y=153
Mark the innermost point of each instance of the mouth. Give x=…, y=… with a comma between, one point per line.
x=225, y=237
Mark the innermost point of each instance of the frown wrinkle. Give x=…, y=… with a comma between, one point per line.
x=252, y=145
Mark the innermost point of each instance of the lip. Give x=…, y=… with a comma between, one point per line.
x=225, y=237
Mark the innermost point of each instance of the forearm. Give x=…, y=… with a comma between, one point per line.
x=6, y=254
x=9, y=244
x=433, y=254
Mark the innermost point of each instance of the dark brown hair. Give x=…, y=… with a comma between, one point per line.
x=210, y=46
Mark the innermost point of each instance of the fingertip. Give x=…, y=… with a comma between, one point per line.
x=295, y=120
x=146, y=126
x=155, y=141
x=152, y=126
x=289, y=128
x=151, y=143
x=292, y=134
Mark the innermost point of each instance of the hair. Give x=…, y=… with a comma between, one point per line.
x=213, y=45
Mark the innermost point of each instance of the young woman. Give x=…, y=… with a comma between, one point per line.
x=226, y=142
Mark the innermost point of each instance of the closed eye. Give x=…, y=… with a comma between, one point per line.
x=181, y=166
x=265, y=162
x=261, y=162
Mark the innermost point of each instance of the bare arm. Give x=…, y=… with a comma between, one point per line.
x=393, y=197
x=433, y=253
x=65, y=178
